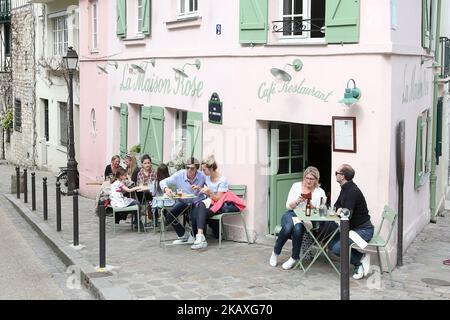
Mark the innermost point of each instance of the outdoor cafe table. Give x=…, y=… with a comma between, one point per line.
x=320, y=243
x=167, y=203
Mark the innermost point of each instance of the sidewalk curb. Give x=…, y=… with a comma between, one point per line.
x=101, y=288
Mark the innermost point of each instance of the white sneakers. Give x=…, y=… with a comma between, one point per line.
x=187, y=238
x=363, y=269
x=286, y=266
x=200, y=242
x=289, y=264
x=273, y=259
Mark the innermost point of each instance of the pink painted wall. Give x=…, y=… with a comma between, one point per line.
x=240, y=75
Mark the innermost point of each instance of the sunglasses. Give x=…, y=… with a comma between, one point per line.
x=190, y=167
x=337, y=172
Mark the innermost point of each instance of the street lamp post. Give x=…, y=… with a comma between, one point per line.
x=71, y=62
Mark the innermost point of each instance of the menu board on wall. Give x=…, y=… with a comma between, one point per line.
x=344, y=134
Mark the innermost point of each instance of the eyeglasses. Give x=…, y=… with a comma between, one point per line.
x=337, y=172
x=190, y=167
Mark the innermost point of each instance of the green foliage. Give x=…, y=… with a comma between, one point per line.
x=136, y=148
x=7, y=119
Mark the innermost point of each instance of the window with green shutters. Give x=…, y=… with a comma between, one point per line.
x=123, y=129
x=338, y=21
x=152, y=133
x=142, y=23
x=422, y=165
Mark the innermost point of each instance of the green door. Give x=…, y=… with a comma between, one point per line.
x=152, y=133
x=288, y=154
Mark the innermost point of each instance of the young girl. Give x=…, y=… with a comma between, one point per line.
x=161, y=173
x=116, y=196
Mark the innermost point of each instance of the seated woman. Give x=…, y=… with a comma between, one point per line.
x=215, y=186
x=117, y=196
x=132, y=168
x=162, y=172
x=145, y=178
x=111, y=169
x=299, y=193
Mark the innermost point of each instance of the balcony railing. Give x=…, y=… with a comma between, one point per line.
x=299, y=26
x=5, y=11
x=445, y=57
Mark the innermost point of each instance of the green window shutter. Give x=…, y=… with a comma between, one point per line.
x=152, y=133
x=147, y=19
x=419, y=155
x=342, y=21
x=123, y=129
x=253, y=21
x=121, y=18
x=194, y=143
x=438, y=149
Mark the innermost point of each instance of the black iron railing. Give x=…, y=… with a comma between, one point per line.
x=445, y=57
x=297, y=26
x=5, y=11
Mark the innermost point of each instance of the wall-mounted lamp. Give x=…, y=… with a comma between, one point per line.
x=151, y=61
x=282, y=75
x=137, y=68
x=180, y=71
x=103, y=68
x=351, y=95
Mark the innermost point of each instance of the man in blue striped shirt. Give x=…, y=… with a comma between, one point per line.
x=184, y=179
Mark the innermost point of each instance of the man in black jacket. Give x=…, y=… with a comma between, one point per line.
x=352, y=199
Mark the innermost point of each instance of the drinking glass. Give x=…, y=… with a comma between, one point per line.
x=179, y=192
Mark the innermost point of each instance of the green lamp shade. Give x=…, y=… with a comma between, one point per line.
x=351, y=96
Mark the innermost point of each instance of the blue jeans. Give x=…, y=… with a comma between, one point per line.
x=288, y=231
x=366, y=232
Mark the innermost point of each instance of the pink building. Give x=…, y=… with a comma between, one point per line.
x=272, y=124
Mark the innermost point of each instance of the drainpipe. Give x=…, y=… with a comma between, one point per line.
x=433, y=176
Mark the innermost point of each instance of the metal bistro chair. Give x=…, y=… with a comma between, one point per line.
x=163, y=225
x=126, y=209
x=240, y=191
x=379, y=242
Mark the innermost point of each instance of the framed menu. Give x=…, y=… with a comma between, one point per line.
x=344, y=134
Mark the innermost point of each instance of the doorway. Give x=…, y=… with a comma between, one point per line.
x=292, y=148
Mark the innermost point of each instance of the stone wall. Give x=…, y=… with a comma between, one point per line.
x=22, y=148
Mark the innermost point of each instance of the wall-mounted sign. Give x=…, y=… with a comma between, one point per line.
x=218, y=29
x=268, y=90
x=344, y=134
x=215, y=109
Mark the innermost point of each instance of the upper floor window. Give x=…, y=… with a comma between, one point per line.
x=187, y=8
x=94, y=25
x=302, y=18
x=140, y=15
x=60, y=36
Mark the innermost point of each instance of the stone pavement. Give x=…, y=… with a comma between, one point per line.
x=144, y=270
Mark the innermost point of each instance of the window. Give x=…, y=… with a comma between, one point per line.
x=187, y=8
x=422, y=149
x=60, y=36
x=46, y=122
x=18, y=115
x=63, y=124
x=303, y=18
x=94, y=26
x=140, y=15
x=181, y=133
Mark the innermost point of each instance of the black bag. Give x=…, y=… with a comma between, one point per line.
x=228, y=207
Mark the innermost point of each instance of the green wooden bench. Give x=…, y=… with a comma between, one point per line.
x=240, y=191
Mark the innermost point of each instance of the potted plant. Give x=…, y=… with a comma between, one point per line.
x=177, y=164
x=136, y=151
x=7, y=122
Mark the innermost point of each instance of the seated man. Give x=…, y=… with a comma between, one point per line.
x=184, y=179
x=352, y=199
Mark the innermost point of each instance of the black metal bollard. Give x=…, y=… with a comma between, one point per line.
x=58, y=206
x=345, y=281
x=102, y=233
x=33, y=191
x=44, y=188
x=18, y=181
x=25, y=185
x=75, y=218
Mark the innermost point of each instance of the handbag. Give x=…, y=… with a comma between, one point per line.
x=229, y=207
